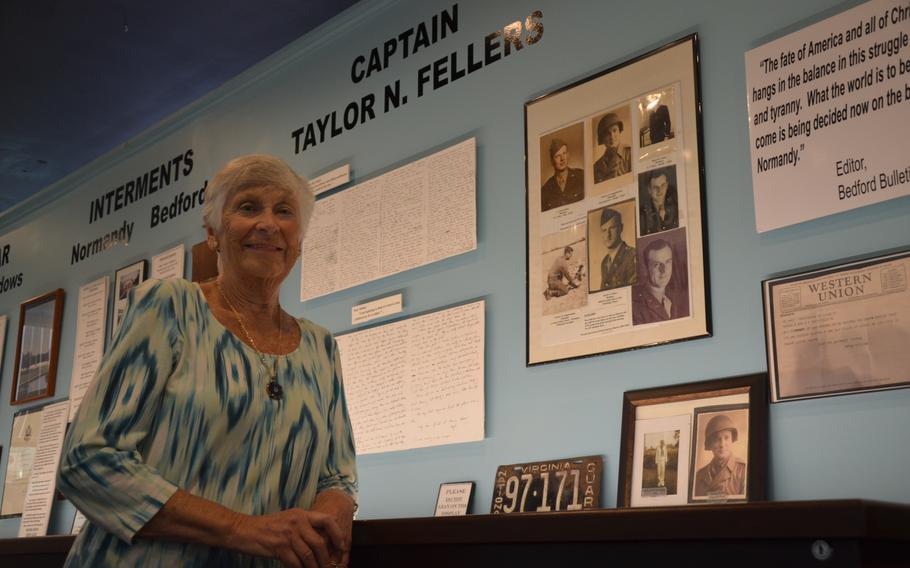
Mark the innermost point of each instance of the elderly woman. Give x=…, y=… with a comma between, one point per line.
x=216, y=432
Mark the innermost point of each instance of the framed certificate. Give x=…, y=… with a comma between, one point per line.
x=615, y=210
x=694, y=443
x=839, y=329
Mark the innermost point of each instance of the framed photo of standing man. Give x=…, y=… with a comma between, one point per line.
x=695, y=443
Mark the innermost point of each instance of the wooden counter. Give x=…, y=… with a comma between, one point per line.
x=779, y=535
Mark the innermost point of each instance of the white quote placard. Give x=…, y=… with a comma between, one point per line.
x=416, y=382
x=829, y=106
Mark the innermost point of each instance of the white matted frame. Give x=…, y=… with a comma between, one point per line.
x=622, y=147
x=683, y=417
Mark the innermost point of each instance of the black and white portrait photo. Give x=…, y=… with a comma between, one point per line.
x=561, y=166
x=662, y=292
x=612, y=133
x=658, y=203
x=611, y=243
x=719, y=453
x=656, y=112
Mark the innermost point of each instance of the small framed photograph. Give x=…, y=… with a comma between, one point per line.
x=454, y=499
x=37, y=346
x=720, y=453
x=125, y=280
x=839, y=329
x=695, y=443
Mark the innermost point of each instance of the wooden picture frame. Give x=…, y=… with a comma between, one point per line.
x=695, y=443
x=37, y=347
x=616, y=210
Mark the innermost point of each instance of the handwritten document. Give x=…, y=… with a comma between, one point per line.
x=416, y=382
x=91, y=316
x=414, y=215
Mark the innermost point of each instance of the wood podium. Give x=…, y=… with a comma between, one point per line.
x=768, y=534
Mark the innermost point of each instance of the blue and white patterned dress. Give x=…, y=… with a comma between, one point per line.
x=180, y=402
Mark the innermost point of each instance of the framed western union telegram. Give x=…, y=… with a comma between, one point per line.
x=615, y=210
x=840, y=329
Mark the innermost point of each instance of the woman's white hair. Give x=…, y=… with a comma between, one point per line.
x=255, y=170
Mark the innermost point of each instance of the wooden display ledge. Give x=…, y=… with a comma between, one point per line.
x=777, y=535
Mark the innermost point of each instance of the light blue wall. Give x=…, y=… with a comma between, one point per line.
x=845, y=447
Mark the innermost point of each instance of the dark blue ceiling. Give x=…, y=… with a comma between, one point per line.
x=80, y=78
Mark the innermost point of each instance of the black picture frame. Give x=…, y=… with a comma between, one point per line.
x=862, y=304
x=748, y=393
x=591, y=306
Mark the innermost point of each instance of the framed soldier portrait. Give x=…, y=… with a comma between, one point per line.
x=694, y=443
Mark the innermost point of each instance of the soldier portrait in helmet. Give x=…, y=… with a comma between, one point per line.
x=721, y=447
x=612, y=133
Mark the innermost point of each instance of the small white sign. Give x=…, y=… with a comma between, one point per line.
x=454, y=499
x=330, y=180
x=376, y=309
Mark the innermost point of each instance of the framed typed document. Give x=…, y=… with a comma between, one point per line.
x=695, y=443
x=840, y=329
x=615, y=210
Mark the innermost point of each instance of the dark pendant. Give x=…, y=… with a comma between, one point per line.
x=274, y=389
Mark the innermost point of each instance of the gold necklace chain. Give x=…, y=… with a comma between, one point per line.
x=273, y=389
